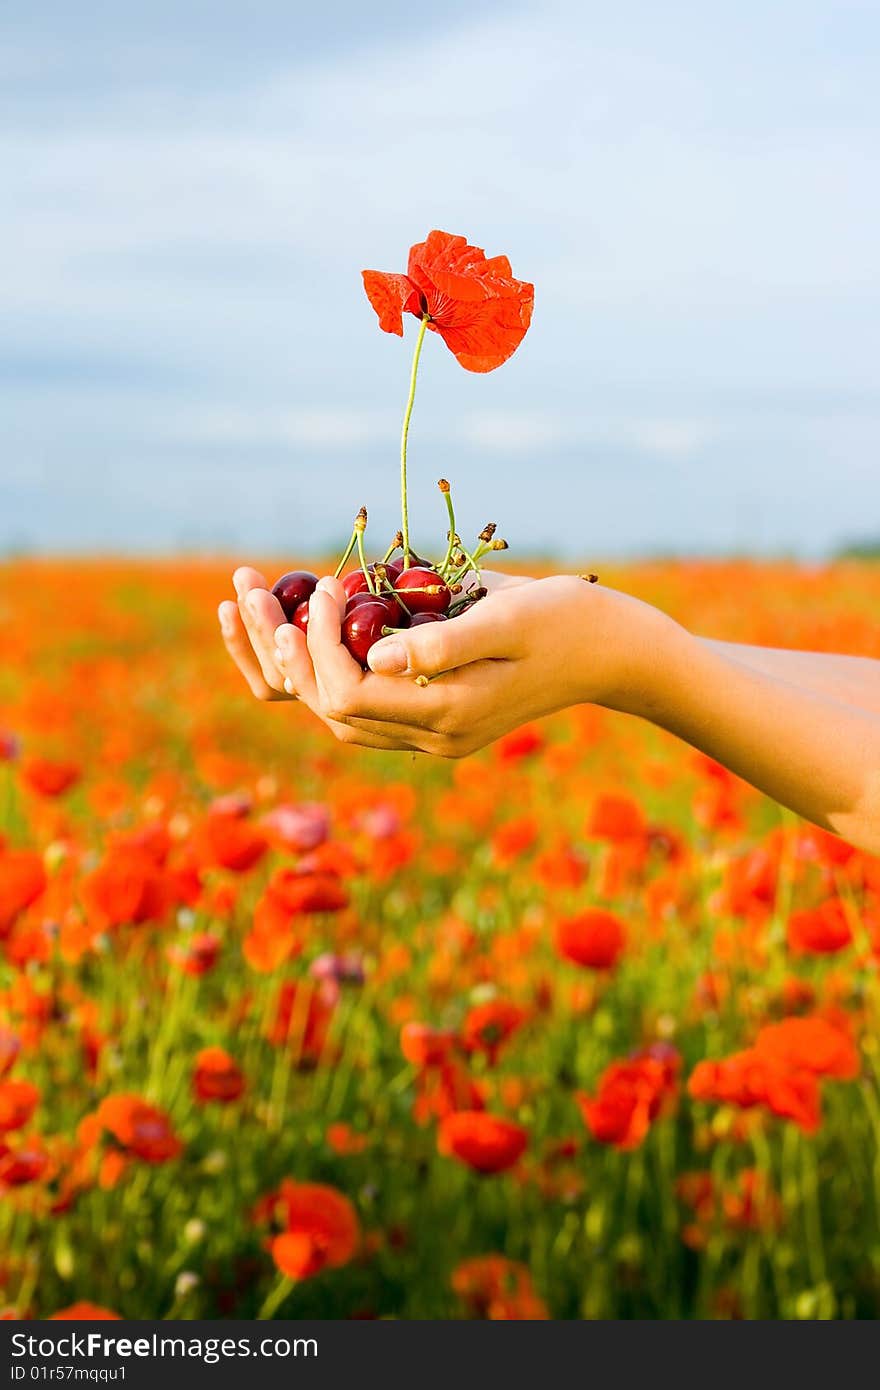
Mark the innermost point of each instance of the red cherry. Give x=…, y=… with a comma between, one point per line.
x=411, y=580
x=300, y=617
x=355, y=583
x=419, y=619
x=293, y=589
x=363, y=623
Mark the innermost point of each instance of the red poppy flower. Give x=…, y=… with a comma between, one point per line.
x=26, y=1163
x=18, y=1101
x=141, y=1129
x=821, y=931
x=84, y=1312
x=425, y=1046
x=499, y=1289
x=616, y=818
x=487, y=1027
x=476, y=306
x=811, y=1044
x=484, y=1142
x=22, y=880
x=323, y=1231
x=217, y=1076
x=48, y=777
x=594, y=938
x=629, y=1098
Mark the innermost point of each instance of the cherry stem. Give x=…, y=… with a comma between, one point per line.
x=404, y=503
x=447, y=498
x=363, y=559
x=349, y=548
x=472, y=564
x=384, y=580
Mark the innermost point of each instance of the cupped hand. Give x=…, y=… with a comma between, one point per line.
x=450, y=688
x=248, y=627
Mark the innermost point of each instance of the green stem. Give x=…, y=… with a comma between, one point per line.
x=349, y=548
x=404, y=505
x=275, y=1299
x=363, y=559
x=447, y=498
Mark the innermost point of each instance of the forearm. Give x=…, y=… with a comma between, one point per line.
x=818, y=755
x=855, y=680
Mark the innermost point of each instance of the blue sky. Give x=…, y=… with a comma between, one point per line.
x=191, y=190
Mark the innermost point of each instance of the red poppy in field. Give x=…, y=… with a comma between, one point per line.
x=616, y=817
x=18, y=1101
x=127, y=887
x=481, y=312
x=141, y=1129
x=217, y=1076
x=520, y=743
x=84, y=1312
x=595, y=938
x=487, y=1027
x=22, y=880
x=442, y=1090
x=322, y=1228
x=561, y=866
x=293, y=891
x=629, y=1098
x=229, y=842
x=514, y=839
x=302, y=1020
x=26, y=1162
x=811, y=1044
x=425, y=1046
x=821, y=931
x=344, y=1140
x=484, y=1142
x=49, y=777
x=498, y=1289
x=746, y=1079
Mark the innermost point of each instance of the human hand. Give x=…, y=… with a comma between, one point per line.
x=249, y=629
x=523, y=652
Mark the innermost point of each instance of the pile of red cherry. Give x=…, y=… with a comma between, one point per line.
x=390, y=594
x=402, y=598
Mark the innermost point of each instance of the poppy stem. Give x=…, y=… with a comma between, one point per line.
x=404, y=504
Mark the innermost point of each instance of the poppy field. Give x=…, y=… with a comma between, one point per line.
x=579, y=1027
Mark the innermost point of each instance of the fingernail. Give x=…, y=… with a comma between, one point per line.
x=252, y=600
x=282, y=635
x=288, y=685
x=225, y=620
x=387, y=658
x=325, y=585
x=279, y=657
x=238, y=583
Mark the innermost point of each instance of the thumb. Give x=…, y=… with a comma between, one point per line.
x=430, y=648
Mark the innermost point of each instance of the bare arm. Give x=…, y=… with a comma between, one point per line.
x=853, y=679
x=802, y=743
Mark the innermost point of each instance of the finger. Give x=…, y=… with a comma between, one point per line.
x=478, y=634
x=293, y=661
x=246, y=578
x=262, y=614
x=239, y=648
x=337, y=673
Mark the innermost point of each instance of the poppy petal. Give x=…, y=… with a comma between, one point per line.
x=390, y=296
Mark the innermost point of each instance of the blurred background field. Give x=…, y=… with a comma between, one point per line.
x=479, y=1005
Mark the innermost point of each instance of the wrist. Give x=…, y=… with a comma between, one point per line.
x=634, y=655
